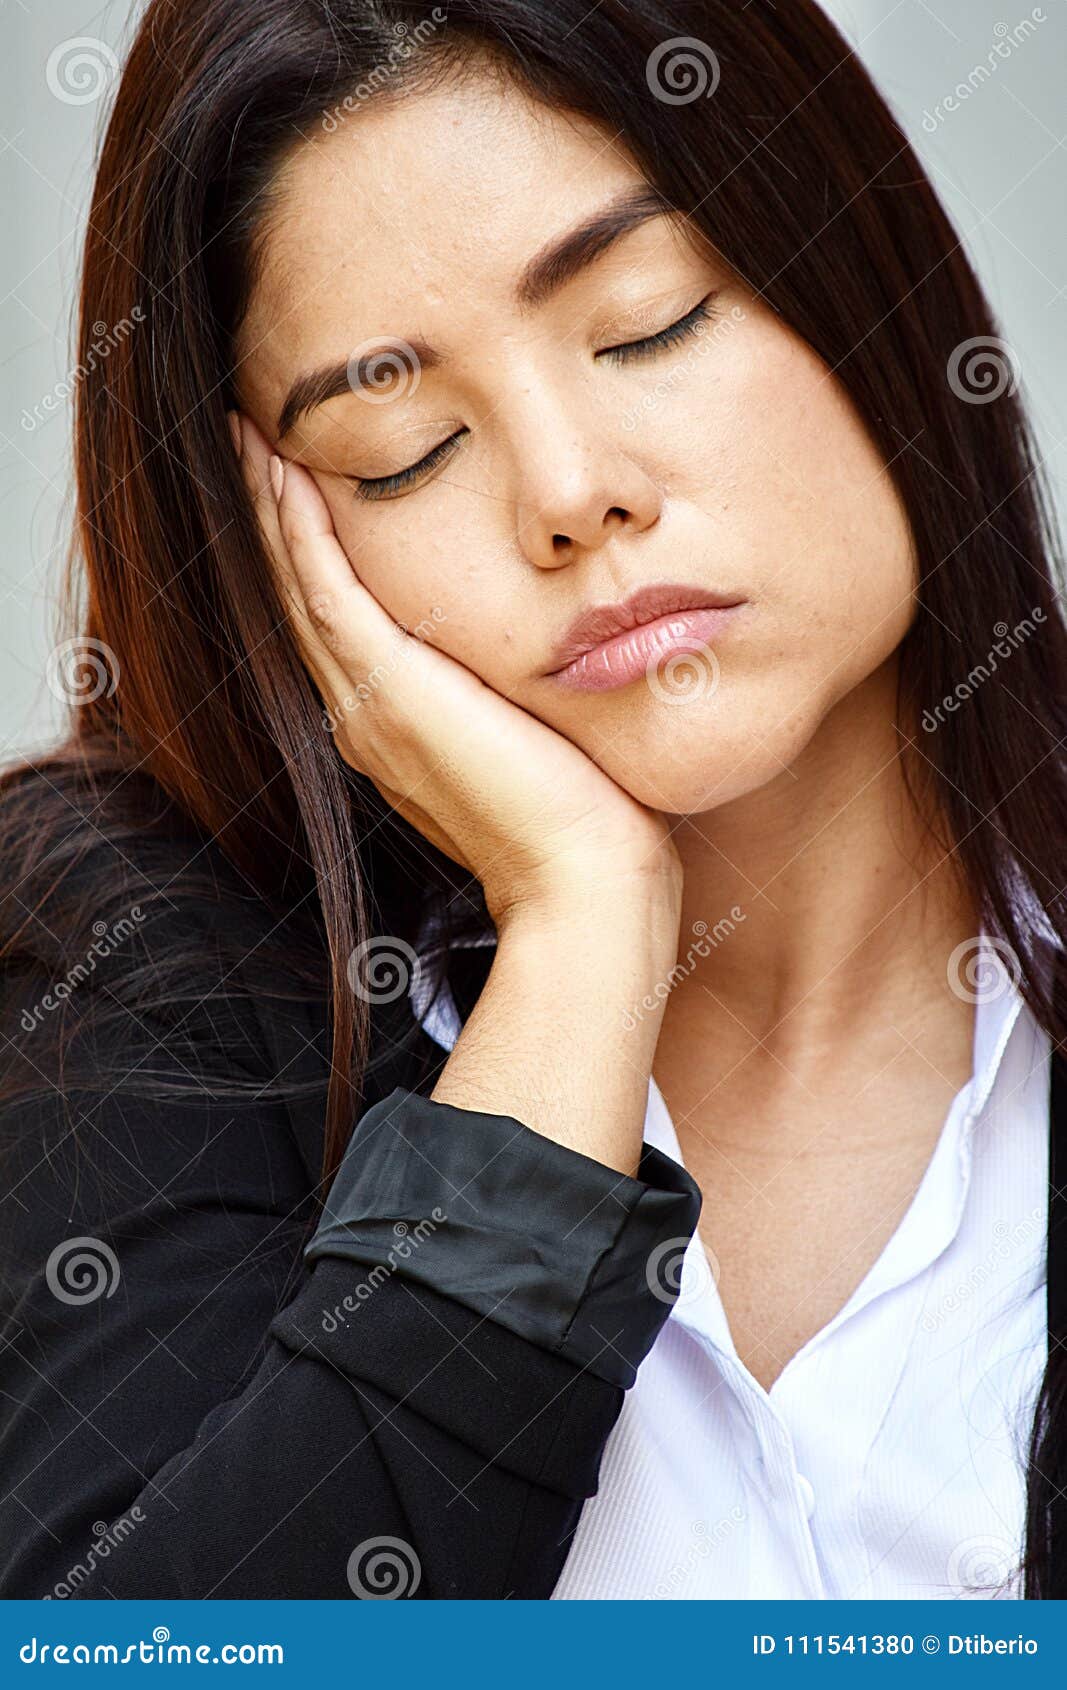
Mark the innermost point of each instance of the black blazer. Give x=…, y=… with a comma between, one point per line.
x=411, y=1400
x=198, y=1401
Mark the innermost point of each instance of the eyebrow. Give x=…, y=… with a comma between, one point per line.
x=544, y=275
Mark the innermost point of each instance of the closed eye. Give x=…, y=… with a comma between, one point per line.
x=390, y=486
x=371, y=488
x=632, y=351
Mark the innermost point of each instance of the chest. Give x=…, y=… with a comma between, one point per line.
x=886, y=1467
x=794, y=1217
x=886, y=1462
x=791, y=1238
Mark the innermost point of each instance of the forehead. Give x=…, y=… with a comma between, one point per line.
x=431, y=202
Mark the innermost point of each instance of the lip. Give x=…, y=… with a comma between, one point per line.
x=611, y=645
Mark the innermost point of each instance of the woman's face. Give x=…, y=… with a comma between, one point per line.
x=564, y=472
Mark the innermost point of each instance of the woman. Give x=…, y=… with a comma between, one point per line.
x=456, y=946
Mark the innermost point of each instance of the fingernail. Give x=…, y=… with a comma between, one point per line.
x=277, y=476
x=235, y=430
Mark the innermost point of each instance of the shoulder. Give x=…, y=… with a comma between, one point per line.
x=135, y=959
x=79, y=846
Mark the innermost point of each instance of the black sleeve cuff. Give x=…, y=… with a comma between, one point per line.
x=565, y=1252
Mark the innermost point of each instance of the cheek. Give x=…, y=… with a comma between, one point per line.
x=432, y=578
x=798, y=504
x=790, y=498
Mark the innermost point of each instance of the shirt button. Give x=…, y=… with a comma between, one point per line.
x=807, y=1495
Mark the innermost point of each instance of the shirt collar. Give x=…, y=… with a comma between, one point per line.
x=440, y=1018
x=985, y=972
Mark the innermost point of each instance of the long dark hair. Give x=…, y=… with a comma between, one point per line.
x=792, y=166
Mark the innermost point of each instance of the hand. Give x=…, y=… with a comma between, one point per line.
x=512, y=801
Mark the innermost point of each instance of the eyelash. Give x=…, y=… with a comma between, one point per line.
x=634, y=350
x=385, y=486
x=629, y=352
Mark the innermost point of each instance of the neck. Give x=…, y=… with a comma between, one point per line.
x=830, y=916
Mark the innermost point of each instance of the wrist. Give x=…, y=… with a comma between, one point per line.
x=610, y=948
x=647, y=899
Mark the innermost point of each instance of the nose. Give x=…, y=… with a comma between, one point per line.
x=578, y=490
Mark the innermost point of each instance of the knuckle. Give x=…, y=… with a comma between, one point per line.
x=322, y=610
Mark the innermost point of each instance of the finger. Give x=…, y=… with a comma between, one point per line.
x=265, y=476
x=254, y=457
x=345, y=635
x=339, y=609
x=422, y=821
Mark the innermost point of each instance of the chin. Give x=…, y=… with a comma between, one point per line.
x=701, y=758
x=699, y=790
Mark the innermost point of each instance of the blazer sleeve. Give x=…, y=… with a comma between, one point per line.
x=202, y=1397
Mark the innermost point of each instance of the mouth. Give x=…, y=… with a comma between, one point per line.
x=611, y=645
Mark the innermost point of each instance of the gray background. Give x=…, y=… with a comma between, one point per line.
x=998, y=161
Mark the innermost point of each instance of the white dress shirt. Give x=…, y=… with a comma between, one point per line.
x=888, y=1457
